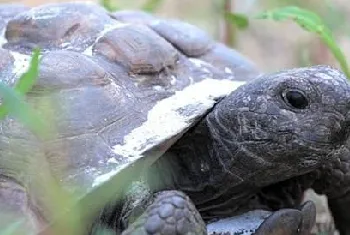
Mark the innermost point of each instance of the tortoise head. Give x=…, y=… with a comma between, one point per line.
x=288, y=122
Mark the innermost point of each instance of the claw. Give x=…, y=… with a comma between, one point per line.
x=308, y=209
x=282, y=222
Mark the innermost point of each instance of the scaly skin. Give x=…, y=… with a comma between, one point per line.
x=335, y=183
x=262, y=147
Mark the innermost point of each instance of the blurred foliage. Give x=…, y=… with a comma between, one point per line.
x=149, y=5
x=333, y=16
x=109, y=5
x=311, y=22
x=239, y=20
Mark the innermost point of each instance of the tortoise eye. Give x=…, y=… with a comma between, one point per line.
x=295, y=98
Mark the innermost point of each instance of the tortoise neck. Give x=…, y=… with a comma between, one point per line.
x=200, y=165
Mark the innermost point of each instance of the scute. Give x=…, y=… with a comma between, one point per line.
x=67, y=70
x=189, y=39
x=8, y=11
x=56, y=26
x=138, y=48
x=230, y=62
x=87, y=109
x=80, y=157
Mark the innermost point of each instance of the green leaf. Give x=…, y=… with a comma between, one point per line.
x=29, y=78
x=240, y=20
x=151, y=5
x=290, y=12
x=311, y=22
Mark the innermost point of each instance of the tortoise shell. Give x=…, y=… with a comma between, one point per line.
x=114, y=87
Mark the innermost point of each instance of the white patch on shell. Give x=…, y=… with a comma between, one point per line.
x=107, y=28
x=105, y=177
x=44, y=12
x=244, y=224
x=228, y=70
x=199, y=63
x=112, y=160
x=21, y=63
x=158, y=88
x=173, y=80
x=167, y=119
x=206, y=70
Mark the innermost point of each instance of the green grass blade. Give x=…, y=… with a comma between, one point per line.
x=239, y=20
x=311, y=22
x=14, y=104
x=29, y=78
x=26, y=81
x=151, y=5
x=290, y=12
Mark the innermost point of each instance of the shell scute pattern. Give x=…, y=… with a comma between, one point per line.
x=56, y=26
x=138, y=48
x=68, y=69
x=99, y=98
x=189, y=39
x=8, y=11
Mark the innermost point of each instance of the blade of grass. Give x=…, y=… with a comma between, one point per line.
x=13, y=101
x=24, y=84
x=311, y=22
x=240, y=20
x=28, y=79
x=15, y=105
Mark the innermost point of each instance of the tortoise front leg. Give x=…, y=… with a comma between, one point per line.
x=173, y=213
x=169, y=212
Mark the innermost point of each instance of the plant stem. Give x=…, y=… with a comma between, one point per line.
x=228, y=31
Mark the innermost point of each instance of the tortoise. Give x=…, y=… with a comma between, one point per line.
x=172, y=129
